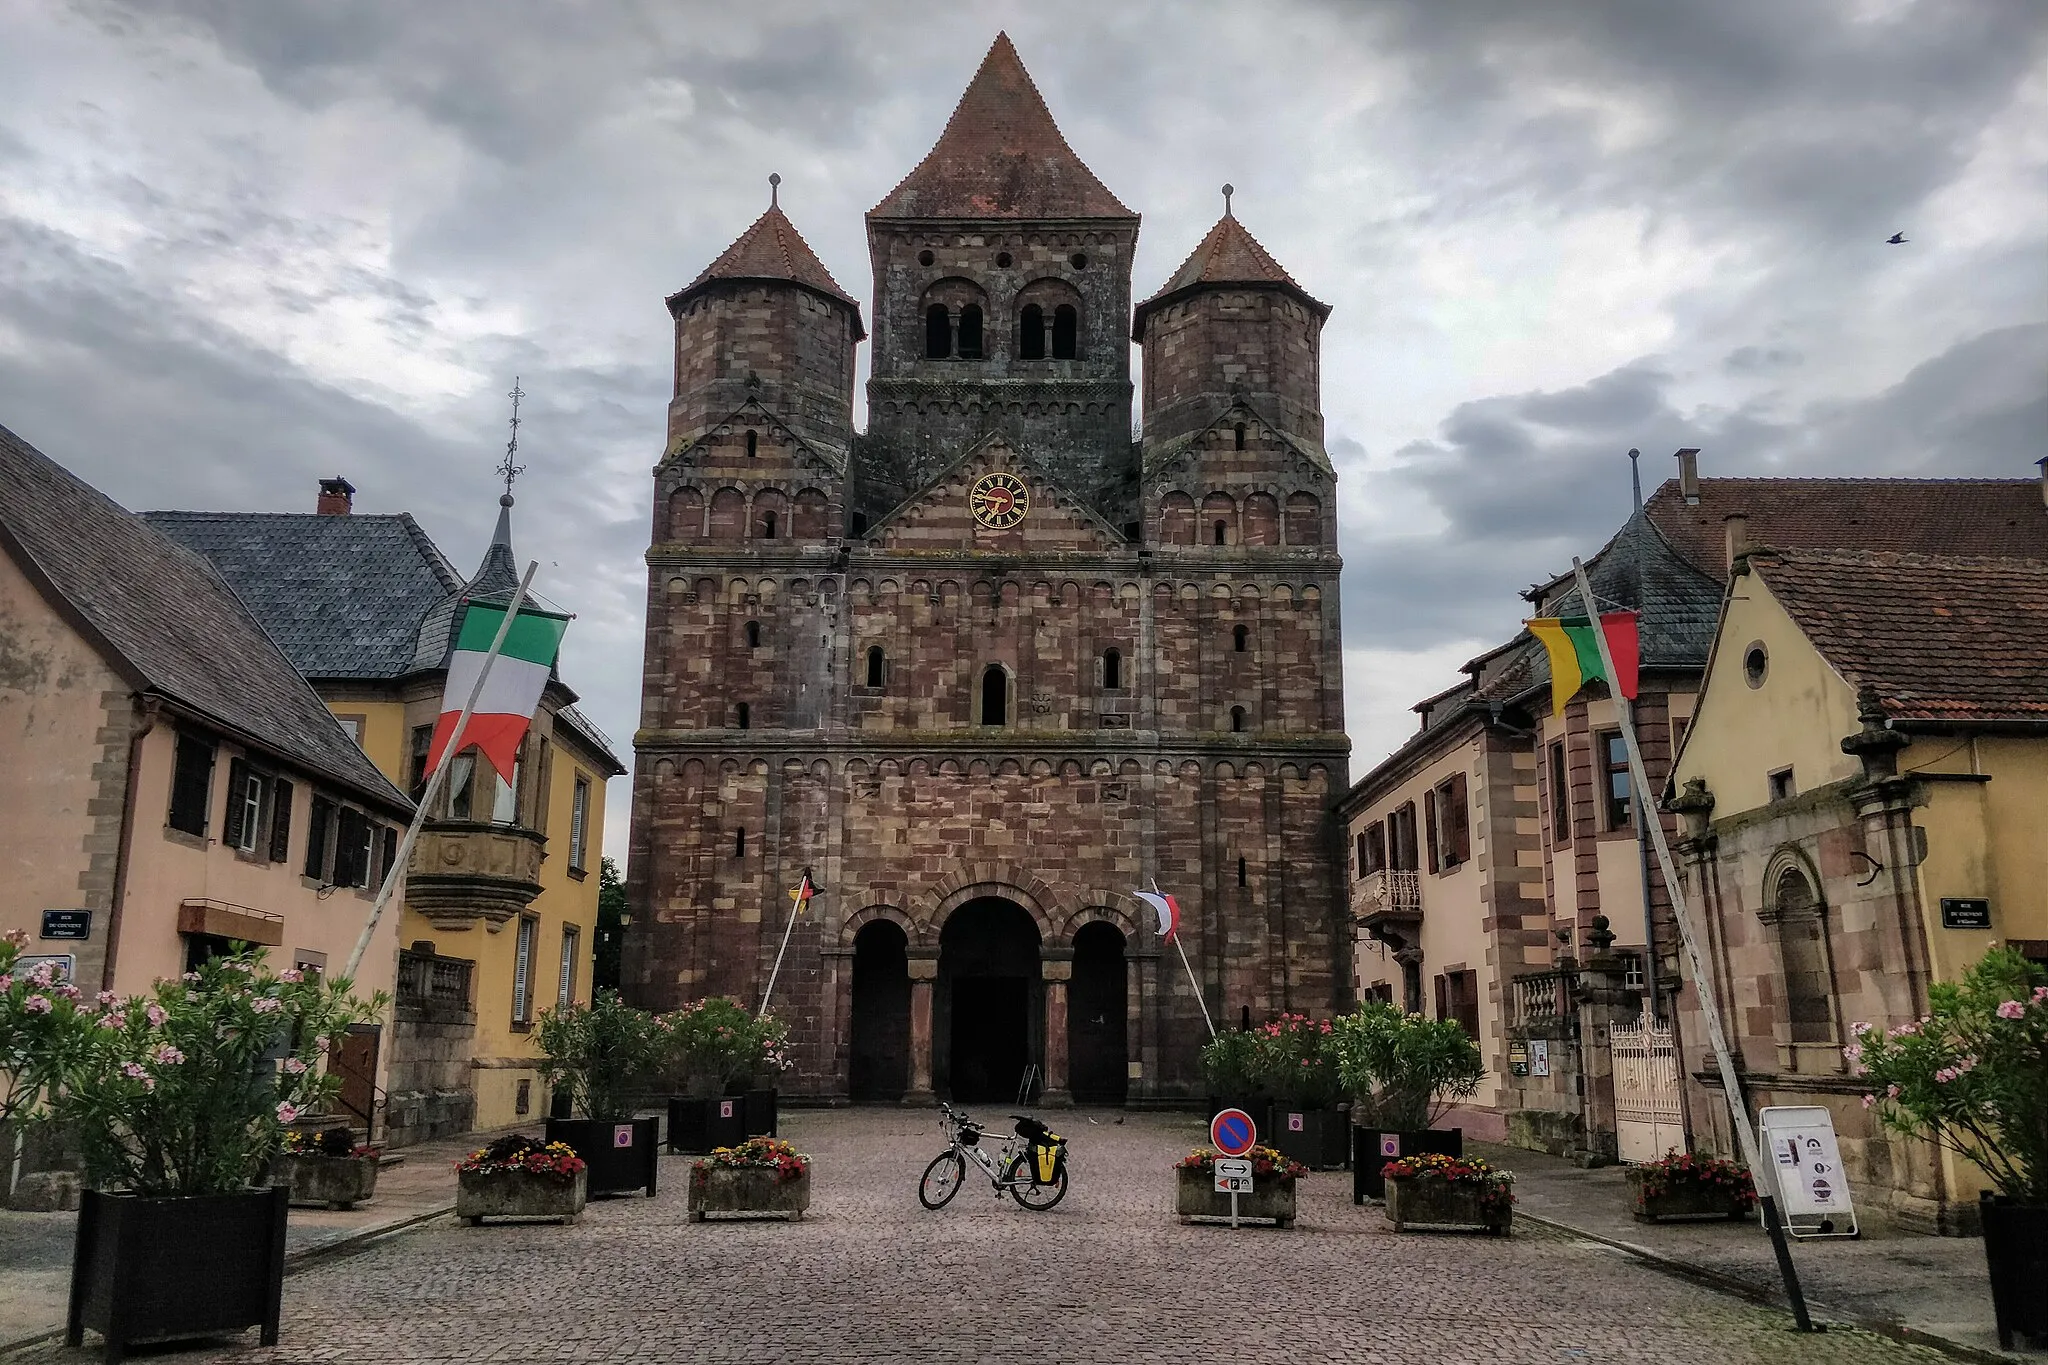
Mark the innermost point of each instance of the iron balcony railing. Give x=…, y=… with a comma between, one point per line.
x=1389, y=891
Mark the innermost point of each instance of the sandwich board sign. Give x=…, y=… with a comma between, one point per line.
x=1807, y=1164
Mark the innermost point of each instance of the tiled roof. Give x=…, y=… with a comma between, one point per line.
x=1228, y=255
x=1001, y=156
x=343, y=596
x=1677, y=603
x=1915, y=516
x=168, y=621
x=770, y=249
x=1941, y=637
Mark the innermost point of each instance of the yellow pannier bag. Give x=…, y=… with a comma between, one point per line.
x=1047, y=1157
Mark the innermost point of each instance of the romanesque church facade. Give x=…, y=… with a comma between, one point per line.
x=993, y=663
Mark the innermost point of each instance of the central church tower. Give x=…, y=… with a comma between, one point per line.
x=1002, y=302
x=986, y=667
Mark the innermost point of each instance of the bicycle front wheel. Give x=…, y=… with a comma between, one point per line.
x=942, y=1180
x=1031, y=1193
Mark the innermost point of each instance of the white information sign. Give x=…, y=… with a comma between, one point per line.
x=1233, y=1176
x=1539, y=1056
x=1807, y=1164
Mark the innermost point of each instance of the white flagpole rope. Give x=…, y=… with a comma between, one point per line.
x=787, y=929
x=1194, y=984
x=437, y=780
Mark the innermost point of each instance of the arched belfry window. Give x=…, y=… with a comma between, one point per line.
x=995, y=696
x=970, y=332
x=1031, y=333
x=1803, y=951
x=1066, y=331
x=1240, y=636
x=875, y=663
x=753, y=635
x=1112, y=670
x=1237, y=720
x=938, y=332
x=767, y=526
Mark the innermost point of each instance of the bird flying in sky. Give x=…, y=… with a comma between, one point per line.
x=1896, y=239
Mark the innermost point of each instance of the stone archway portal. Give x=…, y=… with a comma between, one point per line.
x=988, y=1025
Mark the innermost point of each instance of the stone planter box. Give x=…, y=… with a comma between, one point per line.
x=154, y=1269
x=700, y=1125
x=1271, y=1199
x=519, y=1194
x=334, y=1182
x=1684, y=1201
x=623, y=1155
x=1321, y=1143
x=749, y=1193
x=1430, y=1201
x=1369, y=1155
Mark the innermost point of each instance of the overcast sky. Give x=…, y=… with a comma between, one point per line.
x=245, y=245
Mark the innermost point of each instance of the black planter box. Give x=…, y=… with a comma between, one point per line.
x=1368, y=1155
x=760, y=1112
x=615, y=1166
x=2016, y=1250
x=1260, y=1107
x=190, y=1266
x=1321, y=1143
x=696, y=1125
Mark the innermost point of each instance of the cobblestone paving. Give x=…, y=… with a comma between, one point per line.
x=1109, y=1276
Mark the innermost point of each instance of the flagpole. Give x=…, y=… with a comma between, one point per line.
x=1681, y=911
x=437, y=780
x=787, y=929
x=1190, y=969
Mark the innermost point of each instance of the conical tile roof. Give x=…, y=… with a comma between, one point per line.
x=1227, y=255
x=1001, y=156
x=770, y=249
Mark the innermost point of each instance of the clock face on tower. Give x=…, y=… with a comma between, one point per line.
x=999, y=500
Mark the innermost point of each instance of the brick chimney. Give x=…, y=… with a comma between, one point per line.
x=1735, y=527
x=337, y=497
x=1689, y=475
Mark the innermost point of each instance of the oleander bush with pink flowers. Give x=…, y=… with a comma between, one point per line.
x=189, y=1089
x=1972, y=1075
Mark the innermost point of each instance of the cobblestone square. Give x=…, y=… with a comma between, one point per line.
x=1109, y=1276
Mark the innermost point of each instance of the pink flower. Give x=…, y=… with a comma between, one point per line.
x=294, y=976
x=1853, y=1052
x=1869, y=1100
x=1946, y=1074
x=68, y=991
x=321, y=1042
x=1859, y=1029
x=133, y=1070
x=37, y=1004
x=6, y=981
x=191, y=978
x=1902, y=1031
x=266, y=1004
x=287, y=1112
x=2012, y=1009
x=168, y=1056
x=156, y=1014
x=1967, y=1064
x=294, y=1066
x=107, y=999
x=1891, y=1092
x=2041, y=995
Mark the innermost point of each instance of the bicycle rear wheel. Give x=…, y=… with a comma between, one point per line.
x=942, y=1180
x=1035, y=1195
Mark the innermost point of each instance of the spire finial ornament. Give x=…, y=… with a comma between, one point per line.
x=507, y=470
x=774, y=189
x=1635, y=475
x=1228, y=190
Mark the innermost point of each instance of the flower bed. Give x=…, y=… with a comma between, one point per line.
x=1684, y=1186
x=762, y=1177
x=1273, y=1188
x=1452, y=1194
x=521, y=1177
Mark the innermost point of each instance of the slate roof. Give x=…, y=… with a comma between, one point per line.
x=163, y=617
x=1228, y=255
x=343, y=596
x=1914, y=516
x=1941, y=637
x=770, y=249
x=1001, y=156
x=1679, y=604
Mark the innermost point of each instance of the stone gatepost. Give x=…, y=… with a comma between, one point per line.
x=924, y=970
x=1603, y=1002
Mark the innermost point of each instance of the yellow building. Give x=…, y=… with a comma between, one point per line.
x=1863, y=788
x=500, y=913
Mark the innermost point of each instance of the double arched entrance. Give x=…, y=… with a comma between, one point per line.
x=1003, y=1010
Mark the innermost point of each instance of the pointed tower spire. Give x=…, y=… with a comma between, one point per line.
x=1227, y=256
x=1001, y=156
x=770, y=249
x=500, y=571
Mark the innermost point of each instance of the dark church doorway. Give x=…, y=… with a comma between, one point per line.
x=1098, y=1070
x=879, y=1067
x=989, y=1003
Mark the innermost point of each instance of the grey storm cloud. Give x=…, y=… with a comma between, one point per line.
x=243, y=246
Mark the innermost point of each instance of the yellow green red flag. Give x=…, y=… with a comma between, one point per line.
x=1575, y=654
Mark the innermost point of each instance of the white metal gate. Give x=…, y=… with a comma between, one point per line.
x=1646, y=1114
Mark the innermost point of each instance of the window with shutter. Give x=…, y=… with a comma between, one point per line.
x=237, y=829
x=422, y=744
x=522, y=971
x=1429, y=830
x=191, y=782
x=388, y=854
x=579, y=822
x=1443, y=996
x=1452, y=824
x=1560, y=795
x=319, y=832
x=565, y=985
x=280, y=821
x=1466, y=1003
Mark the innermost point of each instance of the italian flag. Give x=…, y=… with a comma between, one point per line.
x=512, y=691
x=1575, y=654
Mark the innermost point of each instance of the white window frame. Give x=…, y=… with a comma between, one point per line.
x=251, y=797
x=565, y=984
x=579, y=824
x=522, y=970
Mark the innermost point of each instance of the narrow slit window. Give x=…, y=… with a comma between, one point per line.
x=1112, y=670
x=753, y=635
x=938, y=332
x=753, y=444
x=1031, y=333
x=767, y=526
x=875, y=663
x=739, y=842
x=1222, y=533
x=1238, y=431
x=743, y=716
x=1244, y=873
x=970, y=332
x=1240, y=637
x=1237, y=720
x=1066, y=332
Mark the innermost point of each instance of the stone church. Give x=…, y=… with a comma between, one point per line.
x=993, y=663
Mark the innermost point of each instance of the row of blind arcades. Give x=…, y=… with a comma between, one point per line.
x=1221, y=519
x=766, y=514
x=343, y=845
x=1047, y=325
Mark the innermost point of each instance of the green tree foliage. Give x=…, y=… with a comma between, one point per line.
x=1403, y=1070
x=611, y=926
x=603, y=1054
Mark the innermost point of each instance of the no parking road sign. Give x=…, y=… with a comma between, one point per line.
x=1232, y=1132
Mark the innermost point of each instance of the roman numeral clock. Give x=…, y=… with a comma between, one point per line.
x=999, y=500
